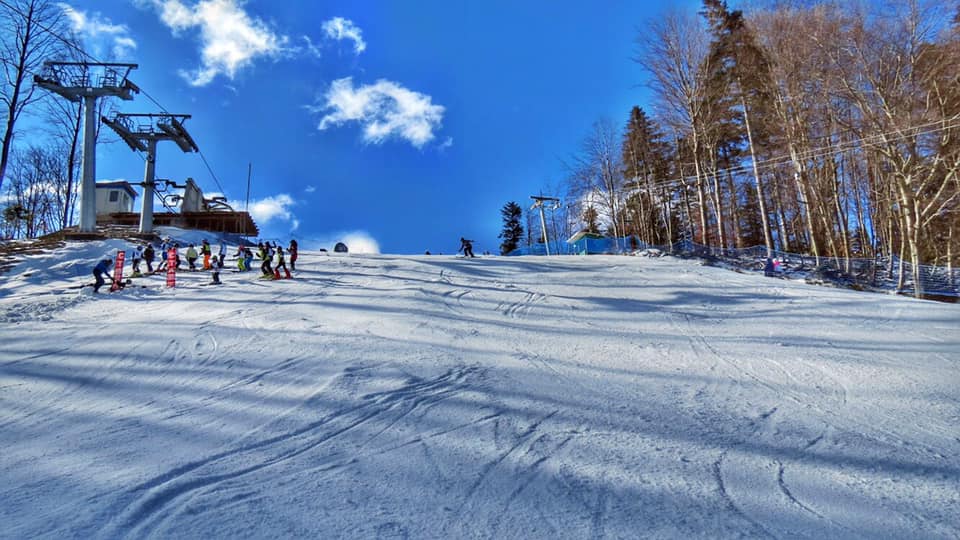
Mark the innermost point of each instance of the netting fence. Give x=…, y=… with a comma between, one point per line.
x=881, y=272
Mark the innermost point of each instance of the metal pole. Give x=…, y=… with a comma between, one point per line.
x=146, y=210
x=246, y=205
x=88, y=186
x=543, y=225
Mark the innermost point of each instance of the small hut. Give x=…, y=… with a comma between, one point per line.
x=586, y=242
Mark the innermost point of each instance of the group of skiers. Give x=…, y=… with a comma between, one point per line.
x=147, y=254
x=268, y=254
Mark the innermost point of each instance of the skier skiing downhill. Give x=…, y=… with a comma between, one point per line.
x=102, y=268
x=466, y=246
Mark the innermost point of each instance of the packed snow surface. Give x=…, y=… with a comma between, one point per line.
x=381, y=396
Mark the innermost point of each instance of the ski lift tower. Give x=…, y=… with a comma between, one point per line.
x=88, y=81
x=142, y=132
x=539, y=203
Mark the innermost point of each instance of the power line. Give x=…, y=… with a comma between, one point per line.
x=814, y=153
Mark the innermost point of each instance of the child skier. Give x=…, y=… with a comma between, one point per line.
x=135, y=256
x=293, y=255
x=281, y=263
x=148, y=256
x=247, y=258
x=191, y=257
x=265, y=256
x=205, y=251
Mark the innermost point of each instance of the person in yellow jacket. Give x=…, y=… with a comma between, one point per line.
x=192, y=257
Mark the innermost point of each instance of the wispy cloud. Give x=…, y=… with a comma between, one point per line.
x=275, y=209
x=339, y=28
x=309, y=189
x=99, y=33
x=230, y=38
x=311, y=49
x=384, y=109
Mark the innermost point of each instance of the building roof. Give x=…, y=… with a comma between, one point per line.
x=118, y=184
x=584, y=234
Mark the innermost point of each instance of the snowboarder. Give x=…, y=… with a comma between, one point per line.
x=466, y=246
x=102, y=268
x=293, y=250
x=768, y=268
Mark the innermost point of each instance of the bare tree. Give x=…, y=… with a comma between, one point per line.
x=673, y=50
x=901, y=80
x=596, y=172
x=28, y=40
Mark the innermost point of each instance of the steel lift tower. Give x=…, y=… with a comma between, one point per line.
x=142, y=132
x=539, y=203
x=88, y=81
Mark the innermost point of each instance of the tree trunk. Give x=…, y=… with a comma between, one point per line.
x=767, y=238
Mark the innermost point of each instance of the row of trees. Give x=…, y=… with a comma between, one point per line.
x=40, y=149
x=818, y=127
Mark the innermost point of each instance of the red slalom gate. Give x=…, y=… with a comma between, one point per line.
x=117, y=271
x=172, y=268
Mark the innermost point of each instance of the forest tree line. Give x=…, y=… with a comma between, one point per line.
x=826, y=128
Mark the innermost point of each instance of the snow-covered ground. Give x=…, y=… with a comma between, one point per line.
x=380, y=396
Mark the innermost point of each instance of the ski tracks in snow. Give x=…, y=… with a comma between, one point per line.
x=513, y=469
x=333, y=441
x=750, y=479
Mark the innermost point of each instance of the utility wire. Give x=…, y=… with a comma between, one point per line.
x=814, y=153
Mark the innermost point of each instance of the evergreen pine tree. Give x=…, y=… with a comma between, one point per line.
x=591, y=219
x=512, y=229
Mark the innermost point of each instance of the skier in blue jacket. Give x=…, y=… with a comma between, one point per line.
x=102, y=267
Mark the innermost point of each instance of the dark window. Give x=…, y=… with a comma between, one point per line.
x=114, y=196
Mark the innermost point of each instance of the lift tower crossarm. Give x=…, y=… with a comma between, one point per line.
x=143, y=136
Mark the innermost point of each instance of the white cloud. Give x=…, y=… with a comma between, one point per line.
x=274, y=209
x=99, y=33
x=447, y=143
x=384, y=109
x=312, y=49
x=310, y=189
x=339, y=28
x=356, y=241
x=230, y=38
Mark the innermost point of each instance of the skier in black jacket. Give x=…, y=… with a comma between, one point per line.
x=466, y=246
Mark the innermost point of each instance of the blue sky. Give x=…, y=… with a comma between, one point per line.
x=399, y=126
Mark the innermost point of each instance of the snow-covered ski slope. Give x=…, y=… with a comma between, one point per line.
x=434, y=397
